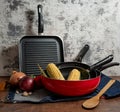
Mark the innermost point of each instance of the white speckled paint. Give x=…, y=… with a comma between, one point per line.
x=76, y=22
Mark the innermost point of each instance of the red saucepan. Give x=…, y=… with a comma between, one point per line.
x=73, y=88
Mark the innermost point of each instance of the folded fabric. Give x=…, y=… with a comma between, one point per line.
x=44, y=96
x=113, y=91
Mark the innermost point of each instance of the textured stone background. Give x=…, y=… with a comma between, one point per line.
x=76, y=22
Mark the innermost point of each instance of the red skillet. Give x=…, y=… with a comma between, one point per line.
x=73, y=88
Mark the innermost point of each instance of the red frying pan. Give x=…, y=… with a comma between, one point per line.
x=74, y=88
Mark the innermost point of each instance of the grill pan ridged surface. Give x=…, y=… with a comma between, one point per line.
x=39, y=50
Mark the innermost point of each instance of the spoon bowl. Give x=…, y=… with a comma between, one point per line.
x=94, y=101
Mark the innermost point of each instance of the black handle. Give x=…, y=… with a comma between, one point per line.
x=108, y=65
x=40, y=20
x=82, y=53
x=102, y=62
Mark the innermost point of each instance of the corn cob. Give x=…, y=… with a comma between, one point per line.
x=74, y=75
x=54, y=72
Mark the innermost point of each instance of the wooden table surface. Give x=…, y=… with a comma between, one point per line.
x=110, y=105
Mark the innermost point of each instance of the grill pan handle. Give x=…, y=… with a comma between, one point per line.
x=40, y=19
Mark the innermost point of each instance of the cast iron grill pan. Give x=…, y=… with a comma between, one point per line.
x=40, y=50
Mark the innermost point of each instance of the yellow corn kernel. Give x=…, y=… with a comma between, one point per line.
x=74, y=75
x=54, y=72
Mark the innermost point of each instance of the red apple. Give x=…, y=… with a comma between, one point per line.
x=26, y=83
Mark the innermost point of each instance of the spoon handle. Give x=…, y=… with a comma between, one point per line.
x=107, y=86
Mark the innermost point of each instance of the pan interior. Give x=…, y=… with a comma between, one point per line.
x=84, y=73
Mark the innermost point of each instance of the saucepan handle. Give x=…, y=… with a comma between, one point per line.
x=82, y=53
x=108, y=65
x=102, y=62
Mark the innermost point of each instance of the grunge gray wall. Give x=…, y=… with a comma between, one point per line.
x=76, y=22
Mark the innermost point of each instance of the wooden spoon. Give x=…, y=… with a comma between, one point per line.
x=94, y=101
